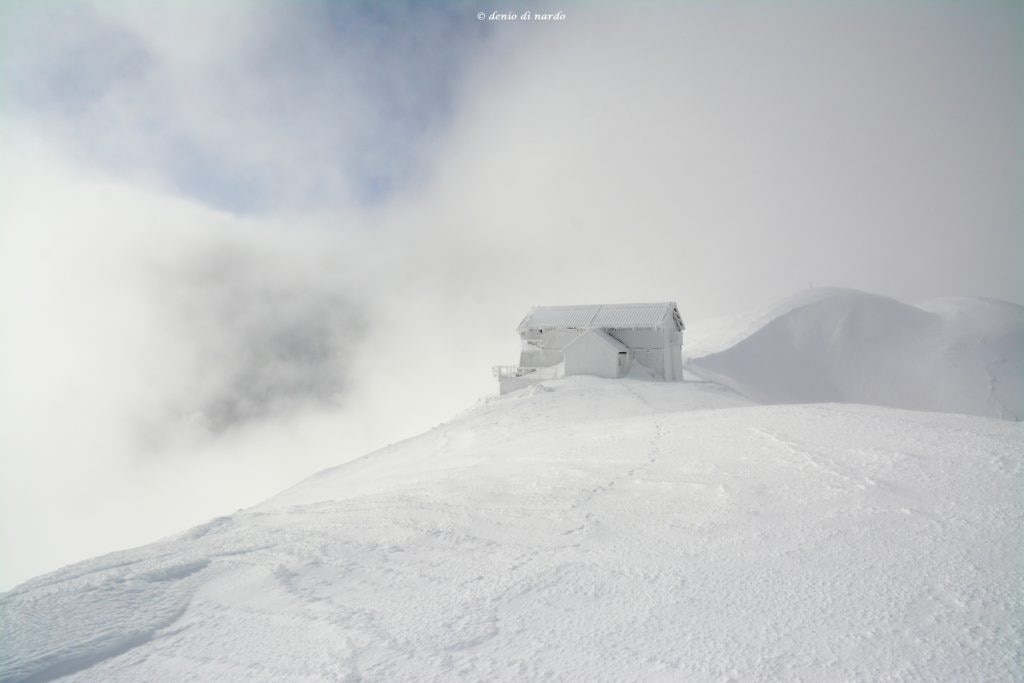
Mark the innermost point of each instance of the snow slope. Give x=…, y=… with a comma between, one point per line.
x=591, y=530
x=956, y=354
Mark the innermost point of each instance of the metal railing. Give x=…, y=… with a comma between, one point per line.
x=525, y=372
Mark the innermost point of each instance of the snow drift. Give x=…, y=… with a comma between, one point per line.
x=582, y=529
x=957, y=354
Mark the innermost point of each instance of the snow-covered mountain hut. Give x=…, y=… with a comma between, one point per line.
x=602, y=340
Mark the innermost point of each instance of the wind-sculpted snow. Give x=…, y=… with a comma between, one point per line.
x=592, y=530
x=956, y=354
x=66, y=622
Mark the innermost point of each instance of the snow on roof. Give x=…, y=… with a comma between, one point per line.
x=602, y=316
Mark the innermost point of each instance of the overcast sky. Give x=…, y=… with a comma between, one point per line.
x=240, y=242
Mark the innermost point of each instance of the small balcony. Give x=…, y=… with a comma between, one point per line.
x=522, y=372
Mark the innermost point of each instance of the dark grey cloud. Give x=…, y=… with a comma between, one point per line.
x=264, y=340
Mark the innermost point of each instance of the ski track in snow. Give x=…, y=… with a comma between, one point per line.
x=584, y=530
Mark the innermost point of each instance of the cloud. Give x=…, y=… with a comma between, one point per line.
x=264, y=338
x=730, y=155
x=142, y=330
x=247, y=107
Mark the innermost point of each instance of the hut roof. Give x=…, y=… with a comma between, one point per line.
x=608, y=316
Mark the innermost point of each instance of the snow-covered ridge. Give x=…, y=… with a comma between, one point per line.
x=583, y=529
x=956, y=354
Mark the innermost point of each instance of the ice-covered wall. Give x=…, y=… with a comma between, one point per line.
x=543, y=348
x=595, y=353
x=657, y=348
